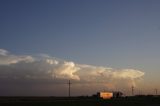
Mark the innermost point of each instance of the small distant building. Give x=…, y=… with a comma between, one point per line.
x=105, y=95
x=117, y=94
x=109, y=95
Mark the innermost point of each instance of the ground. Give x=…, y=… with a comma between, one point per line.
x=80, y=101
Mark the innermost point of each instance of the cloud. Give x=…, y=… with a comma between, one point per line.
x=7, y=59
x=128, y=73
x=46, y=68
x=3, y=52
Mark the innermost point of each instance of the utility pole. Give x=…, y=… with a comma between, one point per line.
x=132, y=90
x=69, y=88
x=156, y=91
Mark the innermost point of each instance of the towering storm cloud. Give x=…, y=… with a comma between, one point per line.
x=41, y=69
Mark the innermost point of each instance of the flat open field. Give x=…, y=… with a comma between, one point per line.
x=79, y=101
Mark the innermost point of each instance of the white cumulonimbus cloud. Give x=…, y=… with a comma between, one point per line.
x=47, y=68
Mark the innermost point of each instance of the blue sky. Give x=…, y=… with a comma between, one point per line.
x=112, y=33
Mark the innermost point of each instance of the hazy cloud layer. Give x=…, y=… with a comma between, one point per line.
x=46, y=68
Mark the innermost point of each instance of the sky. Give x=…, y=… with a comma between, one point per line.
x=98, y=44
